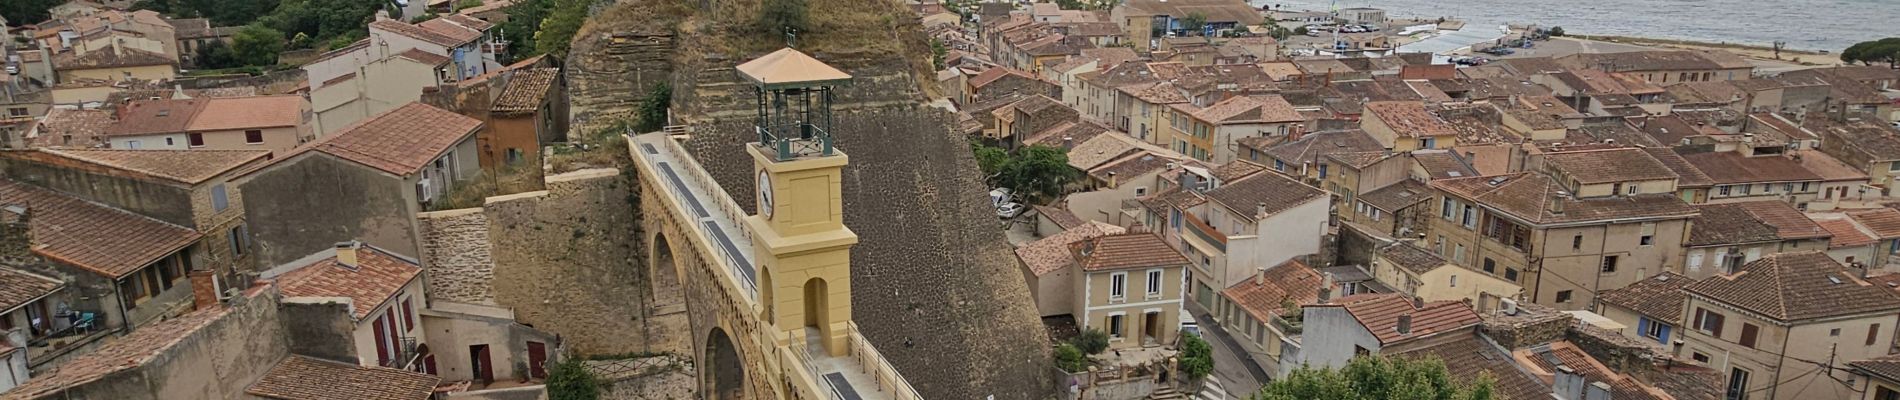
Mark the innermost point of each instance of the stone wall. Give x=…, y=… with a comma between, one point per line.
x=308, y=203
x=321, y=330
x=1620, y=353
x=457, y=248
x=1532, y=325
x=565, y=260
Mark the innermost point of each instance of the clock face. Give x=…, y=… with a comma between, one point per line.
x=765, y=195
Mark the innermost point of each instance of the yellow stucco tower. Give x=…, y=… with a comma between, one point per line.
x=798, y=235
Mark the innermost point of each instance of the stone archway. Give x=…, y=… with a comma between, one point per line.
x=817, y=312
x=663, y=270
x=723, y=375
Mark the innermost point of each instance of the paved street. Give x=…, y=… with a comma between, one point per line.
x=1233, y=377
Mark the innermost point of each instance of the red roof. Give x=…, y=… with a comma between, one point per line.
x=375, y=279
x=1380, y=313
x=100, y=239
x=400, y=141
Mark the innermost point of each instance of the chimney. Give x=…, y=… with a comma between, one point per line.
x=1260, y=210
x=1260, y=276
x=1068, y=142
x=1597, y=391
x=1111, y=179
x=16, y=240
x=1298, y=131
x=1567, y=385
x=346, y=253
x=204, y=289
x=1405, y=324
x=1557, y=202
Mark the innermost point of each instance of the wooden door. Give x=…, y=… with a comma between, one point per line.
x=537, y=355
x=479, y=364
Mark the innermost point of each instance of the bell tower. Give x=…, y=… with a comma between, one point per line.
x=798, y=235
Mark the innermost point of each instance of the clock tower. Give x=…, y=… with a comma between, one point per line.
x=798, y=235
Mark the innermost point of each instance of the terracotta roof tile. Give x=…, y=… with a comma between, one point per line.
x=104, y=240
x=526, y=91
x=1235, y=170
x=1101, y=149
x=1885, y=222
x=1442, y=164
x=1051, y=254
x=1566, y=354
x=1605, y=166
x=1886, y=367
x=181, y=166
x=1409, y=118
x=1312, y=146
x=1686, y=175
x=162, y=116
x=1273, y=191
x=305, y=378
x=1797, y=286
x=1527, y=196
x=400, y=141
x=1128, y=250
x=420, y=56
x=84, y=126
x=1263, y=298
x=126, y=352
x=1359, y=159
x=1731, y=167
x=1844, y=233
x=1728, y=224
x=20, y=287
x=377, y=277
x=1135, y=165
x=256, y=112
x=1247, y=110
x=1471, y=357
x=1411, y=257
x=1391, y=198
x=1062, y=218
x=1379, y=313
x=1657, y=297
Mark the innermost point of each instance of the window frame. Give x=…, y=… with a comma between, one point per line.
x=1118, y=287
x=1153, y=285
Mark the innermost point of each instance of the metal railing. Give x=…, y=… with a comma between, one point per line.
x=405, y=354
x=803, y=354
x=688, y=170
x=880, y=369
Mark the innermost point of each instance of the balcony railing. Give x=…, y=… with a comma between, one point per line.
x=405, y=354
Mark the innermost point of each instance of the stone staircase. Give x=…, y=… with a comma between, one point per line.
x=1167, y=394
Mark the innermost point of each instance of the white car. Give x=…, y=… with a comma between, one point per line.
x=1009, y=210
x=1000, y=196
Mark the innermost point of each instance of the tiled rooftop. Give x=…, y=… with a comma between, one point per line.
x=1127, y=250
x=1264, y=194
x=1379, y=314
x=182, y=166
x=1797, y=286
x=305, y=378
x=1051, y=254
x=399, y=141
x=1657, y=297
x=1264, y=296
x=526, y=90
x=1605, y=166
x=1409, y=118
x=100, y=239
x=17, y=288
x=375, y=279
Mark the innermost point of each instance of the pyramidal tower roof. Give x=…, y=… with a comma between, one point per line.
x=790, y=68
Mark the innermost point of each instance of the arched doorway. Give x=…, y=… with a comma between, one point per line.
x=817, y=311
x=724, y=376
x=766, y=295
x=668, y=295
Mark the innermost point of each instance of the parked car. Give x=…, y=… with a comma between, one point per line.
x=1000, y=196
x=1009, y=210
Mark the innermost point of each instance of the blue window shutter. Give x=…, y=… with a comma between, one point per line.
x=1664, y=337
x=1642, y=326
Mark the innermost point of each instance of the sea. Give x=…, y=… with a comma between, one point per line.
x=1829, y=25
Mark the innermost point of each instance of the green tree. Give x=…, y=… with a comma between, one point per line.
x=1194, y=21
x=1197, y=357
x=652, y=112
x=1038, y=172
x=556, y=32
x=257, y=45
x=779, y=16
x=1068, y=358
x=938, y=52
x=216, y=55
x=991, y=160
x=467, y=4
x=323, y=20
x=1555, y=31
x=569, y=380
x=1091, y=341
x=22, y=12
x=1378, y=377
x=1872, y=51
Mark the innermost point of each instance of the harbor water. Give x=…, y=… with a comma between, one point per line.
x=1829, y=25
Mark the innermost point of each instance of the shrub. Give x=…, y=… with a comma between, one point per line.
x=1091, y=341
x=1071, y=359
x=569, y=380
x=1197, y=358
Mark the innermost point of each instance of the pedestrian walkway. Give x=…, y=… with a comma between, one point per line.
x=1212, y=390
x=717, y=218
